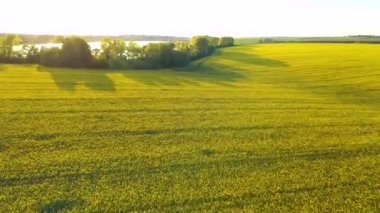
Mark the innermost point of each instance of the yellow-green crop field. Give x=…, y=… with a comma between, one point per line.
x=263, y=128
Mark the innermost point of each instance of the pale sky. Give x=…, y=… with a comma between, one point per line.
x=242, y=18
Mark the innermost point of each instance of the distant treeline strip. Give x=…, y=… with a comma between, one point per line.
x=323, y=42
x=339, y=42
x=347, y=39
x=42, y=39
x=114, y=53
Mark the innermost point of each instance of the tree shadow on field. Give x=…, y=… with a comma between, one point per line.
x=195, y=74
x=216, y=69
x=207, y=70
x=252, y=59
x=60, y=205
x=68, y=79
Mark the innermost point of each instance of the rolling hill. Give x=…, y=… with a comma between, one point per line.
x=270, y=127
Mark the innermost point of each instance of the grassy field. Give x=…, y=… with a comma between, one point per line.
x=255, y=40
x=275, y=127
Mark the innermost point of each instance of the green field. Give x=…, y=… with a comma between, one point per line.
x=274, y=127
x=345, y=39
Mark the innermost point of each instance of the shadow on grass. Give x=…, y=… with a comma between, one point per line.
x=343, y=89
x=253, y=59
x=68, y=79
x=206, y=70
x=59, y=205
x=194, y=74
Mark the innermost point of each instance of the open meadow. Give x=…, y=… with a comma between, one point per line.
x=269, y=127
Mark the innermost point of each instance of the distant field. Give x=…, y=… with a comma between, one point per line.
x=275, y=127
x=255, y=40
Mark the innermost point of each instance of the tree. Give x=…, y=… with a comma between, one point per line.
x=96, y=53
x=112, y=48
x=226, y=42
x=76, y=53
x=199, y=47
x=181, y=58
x=213, y=43
x=152, y=53
x=182, y=53
x=182, y=46
x=50, y=57
x=163, y=55
x=105, y=46
x=113, y=51
x=33, y=54
x=118, y=48
x=7, y=42
x=29, y=54
x=166, y=54
x=134, y=51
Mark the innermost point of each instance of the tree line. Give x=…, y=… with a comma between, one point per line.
x=40, y=39
x=113, y=53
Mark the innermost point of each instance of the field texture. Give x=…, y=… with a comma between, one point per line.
x=255, y=40
x=276, y=127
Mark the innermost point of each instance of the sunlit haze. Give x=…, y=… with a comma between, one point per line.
x=186, y=18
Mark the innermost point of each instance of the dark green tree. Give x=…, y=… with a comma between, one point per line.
x=113, y=51
x=29, y=54
x=51, y=57
x=182, y=46
x=226, y=42
x=134, y=51
x=213, y=43
x=152, y=55
x=199, y=47
x=7, y=42
x=76, y=53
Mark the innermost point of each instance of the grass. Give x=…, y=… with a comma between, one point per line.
x=255, y=40
x=276, y=127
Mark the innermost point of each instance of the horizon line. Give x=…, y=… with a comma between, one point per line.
x=178, y=36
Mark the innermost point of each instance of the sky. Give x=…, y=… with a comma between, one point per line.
x=240, y=18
